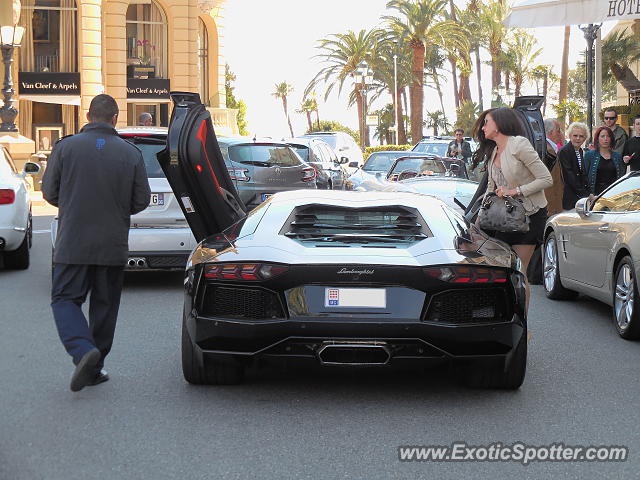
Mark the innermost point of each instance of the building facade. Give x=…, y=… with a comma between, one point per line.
x=134, y=50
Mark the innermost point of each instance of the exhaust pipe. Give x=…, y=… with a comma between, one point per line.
x=353, y=353
x=136, y=262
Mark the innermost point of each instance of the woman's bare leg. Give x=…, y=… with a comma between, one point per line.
x=525, y=252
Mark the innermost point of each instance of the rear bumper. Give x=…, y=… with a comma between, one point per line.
x=12, y=238
x=405, y=341
x=159, y=248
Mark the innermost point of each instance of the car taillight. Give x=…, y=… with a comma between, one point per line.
x=308, y=174
x=243, y=271
x=7, y=196
x=460, y=274
x=239, y=174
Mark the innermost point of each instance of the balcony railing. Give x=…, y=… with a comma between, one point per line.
x=225, y=120
x=634, y=97
x=47, y=63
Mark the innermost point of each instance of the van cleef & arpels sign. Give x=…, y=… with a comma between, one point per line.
x=148, y=88
x=48, y=83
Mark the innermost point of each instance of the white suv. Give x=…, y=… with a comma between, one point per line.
x=15, y=212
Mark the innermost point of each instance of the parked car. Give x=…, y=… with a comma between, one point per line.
x=343, y=144
x=330, y=175
x=16, y=228
x=433, y=145
x=261, y=168
x=336, y=278
x=159, y=237
x=595, y=250
x=377, y=162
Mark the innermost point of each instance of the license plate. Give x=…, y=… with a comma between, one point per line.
x=355, y=297
x=265, y=196
x=157, y=199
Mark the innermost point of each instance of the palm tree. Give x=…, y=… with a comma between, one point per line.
x=564, y=69
x=343, y=53
x=619, y=51
x=436, y=120
x=522, y=51
x=422, y=22
x=466, y=116
x=492, y=16
x=471, y=19
x=542, y=73
x=283, y=89
x=434, y=62
x=308, y=106
x=386, y=121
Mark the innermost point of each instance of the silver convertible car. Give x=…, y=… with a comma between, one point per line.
x=595, y=250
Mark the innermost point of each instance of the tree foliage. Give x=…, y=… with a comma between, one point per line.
x=232, y=102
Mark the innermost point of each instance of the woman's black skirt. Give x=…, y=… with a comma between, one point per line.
x=532, y=237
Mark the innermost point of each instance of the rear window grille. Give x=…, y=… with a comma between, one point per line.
x=237, y=302
x=466, y=306
x=318, y=222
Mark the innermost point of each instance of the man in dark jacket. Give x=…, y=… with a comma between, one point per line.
x=574, y=173
x=459, y=148
x=97, y=180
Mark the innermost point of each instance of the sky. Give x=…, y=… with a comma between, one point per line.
x=271, y=41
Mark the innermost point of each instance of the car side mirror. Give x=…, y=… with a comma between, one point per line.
x=583, y=206
x=343, y=160
x=352, y=164
x=31, y=168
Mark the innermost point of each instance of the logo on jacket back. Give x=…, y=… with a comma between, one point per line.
x=100, y=143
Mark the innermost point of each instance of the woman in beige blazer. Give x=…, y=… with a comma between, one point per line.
x=515, y=169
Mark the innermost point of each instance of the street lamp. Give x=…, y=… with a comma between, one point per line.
x=395, y=95
x=364, y=77
x=590, y=33
x=10, y=38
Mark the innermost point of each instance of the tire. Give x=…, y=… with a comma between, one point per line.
x=509, y=378
x=625, y=299
x=551, y=280
x=212, y=372
x=19, y=258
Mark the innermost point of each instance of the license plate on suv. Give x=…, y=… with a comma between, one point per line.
x=157, y=199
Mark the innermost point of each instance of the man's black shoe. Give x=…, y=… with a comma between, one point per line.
x=101, y=377
x=84, y=372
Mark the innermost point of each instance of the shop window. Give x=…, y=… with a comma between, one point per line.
x=203, y=61
x=137, y=113
x=49, y=43
x=146, y=40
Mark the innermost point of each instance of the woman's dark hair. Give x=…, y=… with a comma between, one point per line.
x=507, y=122
x=596, y=137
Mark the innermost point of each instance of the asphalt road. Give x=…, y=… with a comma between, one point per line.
x=148, y=423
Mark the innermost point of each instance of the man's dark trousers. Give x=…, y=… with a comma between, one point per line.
x=71, y=284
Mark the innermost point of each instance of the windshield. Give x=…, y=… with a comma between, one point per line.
x=436, y=148
x=421, y=166
x=264, y=155
x=381, y=161
x=149, y=152
x=330, y=139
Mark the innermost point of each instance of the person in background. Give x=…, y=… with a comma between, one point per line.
x=631, y=151
x=574, y=173
x=145, y=119
x=603, y=165
x=514, y=169
x=459, y=148
x=97, y=180
x=553, y=194
x=619, y=134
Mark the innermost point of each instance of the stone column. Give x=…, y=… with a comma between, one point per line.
x=90, y=53
x=115, y=60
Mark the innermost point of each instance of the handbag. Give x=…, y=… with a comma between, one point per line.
x=502, y=214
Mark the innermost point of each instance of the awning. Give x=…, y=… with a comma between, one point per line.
x=57, y=99
x=546, y=13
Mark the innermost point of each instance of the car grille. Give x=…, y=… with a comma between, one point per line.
x=167, y=261
x=236, y=302
x=468, y=306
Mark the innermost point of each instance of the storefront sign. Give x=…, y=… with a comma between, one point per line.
x=148, y=89
x=48, y=83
